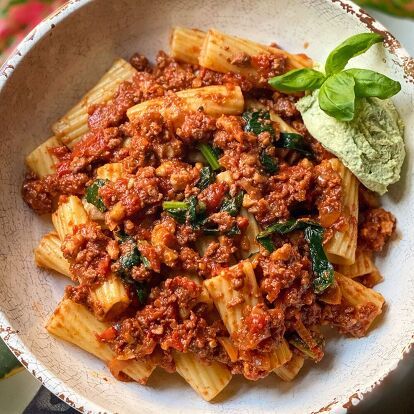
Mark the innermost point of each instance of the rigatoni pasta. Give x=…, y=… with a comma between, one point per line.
x=70, y=213
x=363, y=265
x=214, y=100
x=74, y=323
x=48, y=254
x=206, y=380
x=186, y=44
x=41, y=161
x=224, y=53
x=341, y=248
x=71, y=127
x=205, y=231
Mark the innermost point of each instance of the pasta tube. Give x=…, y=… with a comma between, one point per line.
x=220, y=51
x=69, y=214
x=229, y=302
x=206, y=380
x=204, y=296
x=371, y=279
x=110, y=171
x=186, y=44
x=110, y=299
x=49, y=255
x=73, y=323
x=363, y=265
x=214, y=100
x=71, y=127
x=249, y=245
x=290, y=370
x=340, y=249
x=41, y=161
x=281, y=355
x=358, y=295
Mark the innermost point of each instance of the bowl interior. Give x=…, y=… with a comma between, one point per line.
x=66, y=56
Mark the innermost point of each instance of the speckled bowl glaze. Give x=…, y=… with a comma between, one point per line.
x=50, y=71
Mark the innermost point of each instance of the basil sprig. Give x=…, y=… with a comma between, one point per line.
x=340, y=88
x=321, y=267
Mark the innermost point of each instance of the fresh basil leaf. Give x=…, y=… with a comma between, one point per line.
x=337, y=96
x=295, y=142
x=258, y=122
x=348, y=49
x=207, y=177
x=370, y=83
x=92, y=194
x=232, y=205
x=321, y=267
x=304, y=79
x=269, y=163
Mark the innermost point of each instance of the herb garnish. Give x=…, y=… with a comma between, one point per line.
x=322, y=268
x=340, y=88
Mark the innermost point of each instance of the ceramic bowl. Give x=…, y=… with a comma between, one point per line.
x=51, y=69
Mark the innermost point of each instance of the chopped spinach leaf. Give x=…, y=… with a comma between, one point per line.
x=267, y=243
x=258, y=122
x=124, y=237
x=234, y=231
x=322, y=268
x=232, y=205
x=269, y=163
x=207, y=177
x=130, y=260
x=142, y=290
x=92, y=194
x=145, y=262
x=211, y=156
x=176, y=209
x=301, y=345
x=196, y=212
x=295, y=142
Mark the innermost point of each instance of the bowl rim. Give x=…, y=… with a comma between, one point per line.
x=11, y=337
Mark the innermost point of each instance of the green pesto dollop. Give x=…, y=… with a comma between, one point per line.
x=371, y=145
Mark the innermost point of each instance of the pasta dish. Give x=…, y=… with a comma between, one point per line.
x=204, y=229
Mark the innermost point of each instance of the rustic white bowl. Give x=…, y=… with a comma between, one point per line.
x=51, y=69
